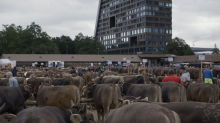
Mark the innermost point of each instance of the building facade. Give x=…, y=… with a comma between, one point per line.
x=131, y=26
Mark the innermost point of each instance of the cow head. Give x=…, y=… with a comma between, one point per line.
x=76, y=118
x=79, y=108
x=127, y=100
x=89, y=89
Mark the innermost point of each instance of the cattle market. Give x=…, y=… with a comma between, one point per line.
x=145, y=88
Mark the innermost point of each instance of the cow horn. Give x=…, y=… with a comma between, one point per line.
x=2, y=107
x=138, y=97
x=120, y=100
x=72, y=104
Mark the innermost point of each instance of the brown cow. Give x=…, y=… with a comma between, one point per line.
x=152, y=91
x=203, y=92
x=21, y=80
x=78, y=82
x=35, y=83
x=142, y=113
x=105, y=96
x=60, y=96
x=3, y=82
x=173, y=92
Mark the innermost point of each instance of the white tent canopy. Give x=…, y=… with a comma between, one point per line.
x=5, y=62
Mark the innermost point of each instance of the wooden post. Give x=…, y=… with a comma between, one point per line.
x=170, y=66
x=201, y=70
x=128, y=68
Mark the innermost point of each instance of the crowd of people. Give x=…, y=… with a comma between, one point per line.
x=185, y=76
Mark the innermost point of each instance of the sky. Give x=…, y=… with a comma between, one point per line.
x=195, y=21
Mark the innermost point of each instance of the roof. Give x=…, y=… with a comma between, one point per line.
x=156, y=55
x=71, y=57
x=192, y=58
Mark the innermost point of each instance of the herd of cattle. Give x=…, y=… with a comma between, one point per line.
x=61, y=97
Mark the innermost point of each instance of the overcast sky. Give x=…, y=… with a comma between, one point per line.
x=196, y=21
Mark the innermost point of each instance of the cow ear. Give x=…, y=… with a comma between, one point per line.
x=120, y=100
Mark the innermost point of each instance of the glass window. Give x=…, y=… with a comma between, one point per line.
x=155, y=43
x=149, y=49
x=155, y=49
x=155, y=30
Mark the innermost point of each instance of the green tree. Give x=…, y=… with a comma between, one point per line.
x=32, y=40
x=88, y=45
x=65, y=44
x=178, y=47
x=215, y=50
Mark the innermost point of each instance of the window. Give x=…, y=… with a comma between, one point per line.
x=155, y=49
x=156, y=8
x=155, y=30
x=169, y=4
x=149, y=49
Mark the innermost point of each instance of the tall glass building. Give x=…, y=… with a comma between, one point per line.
x=131, y=26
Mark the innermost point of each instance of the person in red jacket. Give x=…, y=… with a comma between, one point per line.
x=172, y=78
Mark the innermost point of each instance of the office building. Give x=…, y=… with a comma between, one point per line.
x=134, y=26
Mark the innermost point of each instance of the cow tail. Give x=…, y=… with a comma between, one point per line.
x=180, y=92
x=159, y=94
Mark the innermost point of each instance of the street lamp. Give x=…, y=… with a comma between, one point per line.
x=66, y=49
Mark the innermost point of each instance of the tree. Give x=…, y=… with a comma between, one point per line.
x=215, y=50
x=178, y=47
x=65, y=44
x=88, y=45
x=32, y=40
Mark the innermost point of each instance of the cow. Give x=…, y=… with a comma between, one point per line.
x=78, y=82
x=35, y=84
x=46, y=114
x=3, y=82
x=173, y=92
x=142, y=113
x=152, y=91
x=203, y=92
x=61, y=81
x=21, y=80
x=130, y=79
x=85, y=114
x=105, y=97
x=194, y=73
x=88, y=76
x=159, y=79
x=59, y=96
x=109, y=80
x=45, y=80
x=195, y=112
x=3, y=120
x=12, y=98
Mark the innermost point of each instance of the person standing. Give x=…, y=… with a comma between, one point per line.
x=12, y=82
x=185, y=76
x=207, y=75
x=140, y=79
x=172, y=78
x=14, y=72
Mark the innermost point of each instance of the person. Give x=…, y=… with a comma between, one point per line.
x=80, y=73
x=100, y=71
x=140, y=79
x=73, y=71
x=166, y=68
x=172, y=78
x=14, y=72
x=207, y=75
x=12, y=82
x=185, y=76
